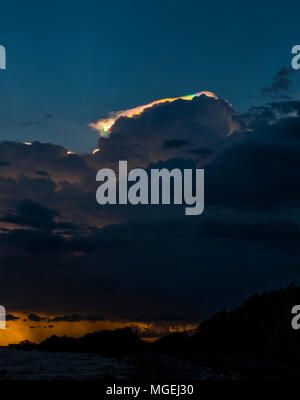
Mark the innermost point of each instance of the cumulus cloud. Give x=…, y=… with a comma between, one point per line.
x=63, y=253
x=34, y=318
x=50, y=176
x=171, y=130
x=77, y=318
x=11, y=317
x=31, y=214
x=281, y=84
x=262, y=171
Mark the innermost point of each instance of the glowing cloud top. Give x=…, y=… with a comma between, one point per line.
x=103, y=125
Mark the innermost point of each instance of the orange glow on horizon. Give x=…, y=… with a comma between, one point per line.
x=23, y=329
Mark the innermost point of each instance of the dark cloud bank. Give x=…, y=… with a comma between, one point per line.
x=63, y=253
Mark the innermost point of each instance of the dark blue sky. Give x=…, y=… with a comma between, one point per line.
x=79, y=60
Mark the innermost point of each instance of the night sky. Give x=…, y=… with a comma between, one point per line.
x=78, y=62
x=69, y=65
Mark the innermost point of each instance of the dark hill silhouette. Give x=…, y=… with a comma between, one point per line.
x=259, y=331
x=116, y=342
